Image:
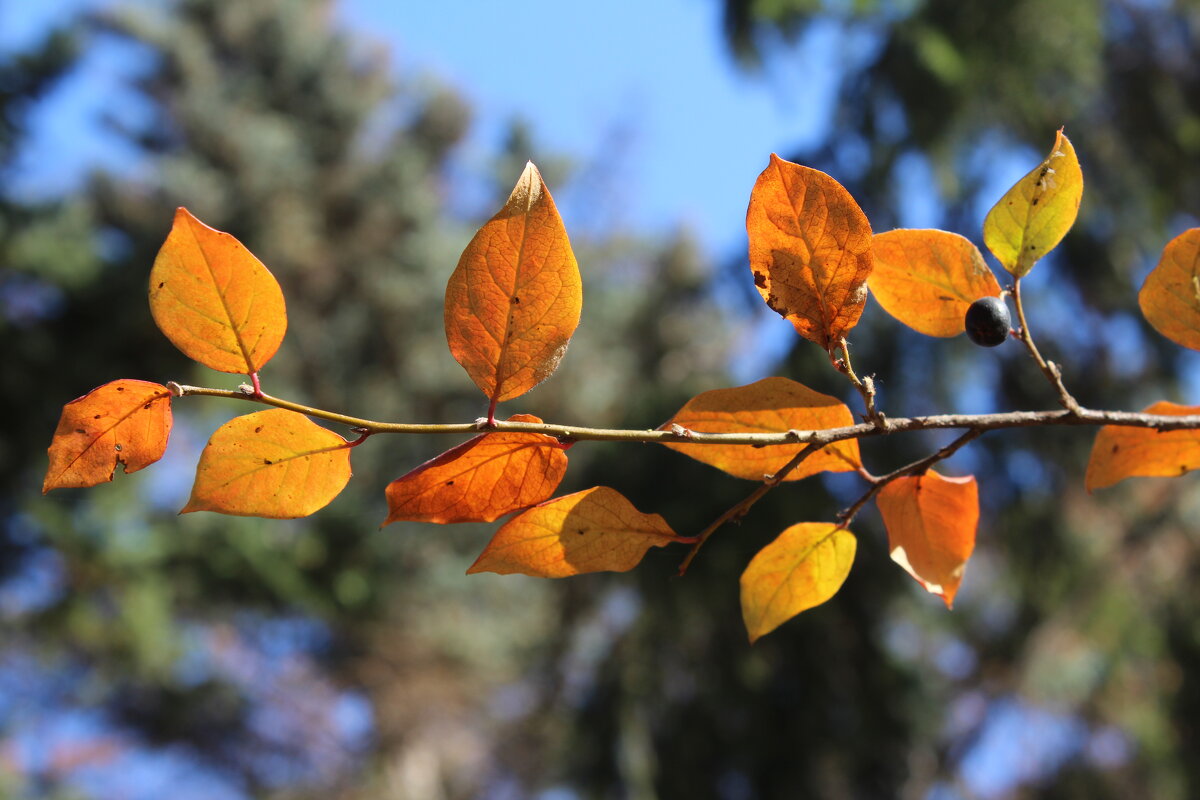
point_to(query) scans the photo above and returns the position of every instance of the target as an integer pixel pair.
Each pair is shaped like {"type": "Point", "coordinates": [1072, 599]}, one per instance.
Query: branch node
{"type": "Point", "coordinates": [680, 431]}
{"type": "Point", "coordinates": [175, 389]}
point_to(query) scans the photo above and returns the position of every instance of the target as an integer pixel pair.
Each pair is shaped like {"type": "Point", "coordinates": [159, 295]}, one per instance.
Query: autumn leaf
{"type": "Point", "coordinates": [1036, 213]}
{"type": "Point", "coordinates": [928, 278]}
{"type": "Point", "coordinates": [214, 300]}
{"type": "Point", "coordinates": [515, 298]}
{"type": "Point", "coordinates": [1170, 297]}
{"type": "Point", "coordinates": [594, 530]}
{"type": "Point", "coordinates": [480, 480]}
{"type": "Point", "coordinates": [1122, 452]}
{"type": "Point", "coordinates": [802, 568]}
{"type": "Point", "coordinates": [810, 250]}
{"type": "Point", "coordinates": [124, 422]}
{"type": "Point", "coordinates": [274, 463]}
{"type": "Point", "coordinates": [931, 522]}
{"type": "Point", "coordinates": [772, 405]}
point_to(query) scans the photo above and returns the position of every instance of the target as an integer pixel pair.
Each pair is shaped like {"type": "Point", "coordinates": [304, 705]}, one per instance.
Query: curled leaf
{"type": "Point", "coordinates": [810, 250]}
{"type": "Point", "coordinates": [590, 531]}
{"type": "Point", "coordinates": [931, 522]}
{"type": "Point", "coordinates": [928, 278]}
{"type": "Point", "coordinates": [772, 405]}
{"type": "Point", "coordinates": [274, 463]}
{"type": "Point", "coordinates": [1170, 297]}
{"type": "Point", "coordinates": [802, 568]}
{"type": "Point", "coordinates": [123, 422]}
{"type": "Point", "coordinates": [481, 479]}
{"type": "Point", "coordinates": [1122, 452]}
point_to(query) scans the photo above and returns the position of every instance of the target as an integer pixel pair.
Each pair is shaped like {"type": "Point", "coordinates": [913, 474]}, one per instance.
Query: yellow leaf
{"type": "Point", "coordinates": [1036, 213]}
{"type": "Point", "coordinates": [1170, 297]}
{"type": "Point", "coordinates": [214, 300]}
{"type": "Point", "coordinates": [274, 463]}
{"type": "Point", "coordinates": [802, 568]}
{"type": "Point", "coordinates": [1122, 452]}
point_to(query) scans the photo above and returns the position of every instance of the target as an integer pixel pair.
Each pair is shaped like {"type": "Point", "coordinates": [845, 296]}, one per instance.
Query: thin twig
{"type": "Point", "coordinates": [865, 386]}
{"type": "Point", "coordinates": [1048, 368]}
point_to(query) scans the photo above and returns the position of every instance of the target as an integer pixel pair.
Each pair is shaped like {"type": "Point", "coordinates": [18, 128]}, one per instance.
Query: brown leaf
{"type": "Point", "coordinates": [1170, 297]}
{"type": "Point", "coordinates": [1122, 452]}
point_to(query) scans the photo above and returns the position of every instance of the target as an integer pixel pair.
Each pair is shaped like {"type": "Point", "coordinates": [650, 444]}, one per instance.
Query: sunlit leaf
{"type": "Point", "coordinates": [214, 300]}
{"type": "Point", "coordinates": [931, 522]}
{"type": "Point", "coordinates": [1170, 297]}
{"type": "Point", "coordinates": [810, 250]}
{"type": "Point", "coordinates": [480, 480]}
{"type": "Point", "coordinates": [273, 463]}
{"type": "Point", "coordinates": [124, 422]}
{"type": "Point", "coordinates": [927, 278]}
{"type": "Point", "coordinates": [802, 568]}
{"type": "Point", "coordinates": [1124, 452]}
{"type": "Point", "coordinates": [772, 405]}
{"type": "Point", "coordinates": [515, 298]}
{"type": "Point", "coordinates": [1036, 213]}
{"type": "Point", "coordinates": [590, 531]}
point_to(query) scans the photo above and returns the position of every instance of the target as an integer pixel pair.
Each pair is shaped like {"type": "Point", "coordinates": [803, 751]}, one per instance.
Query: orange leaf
{"type": "Point", "coordinates": [1122, 452]}
{"type": "Point", "coordinates": [124, 421]}
{"type": "Point", "coordinates": [802, 568]}
{"type": "Point", "coordinates": [810, 250]}
{"type": "Point", "coordinates": [515, 298]}
{"type": "Point", "coordinates": [772, 405]}
{"type": "Point", "coordinates": [481, 479]}
{"type": "Point", "coordinates": [274, 463]}
{"type": "Point", "coordinates": [931, 521]}
{"type": "Point", "coordinates": [1170, 297]}
{"type": "Point", "coordinates": [927, 278]}
{"type": "Point", "coordinates": [214, 300]}
{"type": "Point", "coordinates": [590, 531]}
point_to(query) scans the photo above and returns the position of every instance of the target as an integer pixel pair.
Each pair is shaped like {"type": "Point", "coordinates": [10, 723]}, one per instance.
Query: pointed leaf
{"type": "Point", "coordinates": [810, 250]}
{"type": "Point", "coordinates": [1170, 297]}
{"type": "Point", "coordinates": [480, 480]}
{"type": "Point", "coordinates": [802, 568]}
{"type": "Point", "coordinates": [928, 278]}
{"type": "Point", "coordinates": [124, 422]}
{"type": "Point", "coordinates": [931, 522]}
{"type": "Point", "coordinates": [214, 300]}
{"type": "Point", "coordinates": [772, 405]}
{"type": "Point", "coordinates": [590, 531]}
{"type": "Point", "coordinates": [1122, 452]}
{"type": "Point", "coordinates": [515, 298]}
{"type": "Point", "coordinates": [275, 463]}
{"type": "Point", "coordinates": [1036, 213]}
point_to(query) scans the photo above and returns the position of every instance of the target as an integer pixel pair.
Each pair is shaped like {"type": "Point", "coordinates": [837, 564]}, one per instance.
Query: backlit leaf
{"type": "Point", "coordinates": [590, 531]}
{"type": "Point", "coordinates": [772, 405]}
{"type": "Point", "coordinates": [927, 278]}
{"type": "Point", "coordinates": [810, 250]}
{"type": "Point", "coordinates": [931, 522]}
{"type": "Point", "coordinates": [1036, 213]}
{"type": "Point", "coordinates": [1123, 452]}
{"type": "Point", "coordinates": [274, 463]}
{"type": "Point", "coordinates": [480, 480]}
{"type": "Point", "coordinates": [1170, 297]}
{"type": "Point", "coordinates": [124, 422]}
{"type": "Point", "coordinates": [802, 568]}
{"type": "Point", "coordinates": [214, 300]}
{"type": "Point", "coordinates": [515, 298]}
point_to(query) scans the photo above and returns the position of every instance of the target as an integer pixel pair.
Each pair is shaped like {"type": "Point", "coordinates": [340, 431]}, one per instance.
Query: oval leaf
{"type": "Point", "coordinates": [928, 278]}
{"type": "Point", "coordinates": [126, 422]}
{"type": "Point", "coordinates": [1036, 213]}
{"type": "Point", "coordinates": [1170, 297]}
{"type": "Point", "coordinates": [810, 250]}
{"type": "Point", "coordinates": [590, 531]}
{"type": "Point", "coordinates": [214, 300]}
{"type": "Point", "coordinates": [931, 522]}
{"type": "Point", "coordinates": [802, 568]}
{"type": "Point", "coordinates": [772, 405]}
{"type": "Point", "coordinates": [515, 298]}
{"type": "Point", "coordinates": [481, 479]}
{"type": "Point", "coordinates": [1122, 452]}
{"type": "Point", "coordinates": [275, 463]}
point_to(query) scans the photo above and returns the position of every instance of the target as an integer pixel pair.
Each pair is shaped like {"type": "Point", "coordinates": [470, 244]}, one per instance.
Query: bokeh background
{"type": "Point", "coordinates": [355, 146]}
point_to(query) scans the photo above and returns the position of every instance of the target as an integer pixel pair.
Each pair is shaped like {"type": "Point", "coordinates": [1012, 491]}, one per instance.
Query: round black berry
{"type": "Point", "coordinates": [987, 321]}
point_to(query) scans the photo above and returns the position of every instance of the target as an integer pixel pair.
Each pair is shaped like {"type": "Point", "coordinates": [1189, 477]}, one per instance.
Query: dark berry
{"type": "Point", "coordinates": [988, 322]}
